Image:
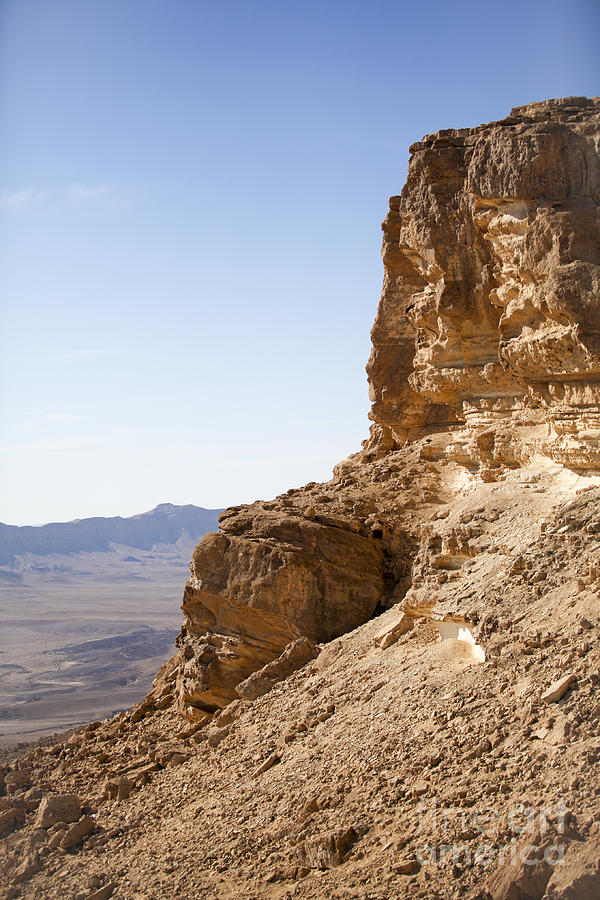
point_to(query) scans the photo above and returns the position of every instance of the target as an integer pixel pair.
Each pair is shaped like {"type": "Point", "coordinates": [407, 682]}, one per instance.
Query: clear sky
{"type": "Point", "coordinates": [190, 203]}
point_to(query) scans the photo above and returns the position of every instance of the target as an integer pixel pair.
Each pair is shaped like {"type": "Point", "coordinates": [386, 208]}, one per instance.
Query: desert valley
{"type": "Point", "coordinates": [88, 612]}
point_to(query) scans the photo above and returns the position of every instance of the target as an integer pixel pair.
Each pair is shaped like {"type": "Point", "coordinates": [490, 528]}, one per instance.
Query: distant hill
{"type": "Point", "coordinates": [165, 524]}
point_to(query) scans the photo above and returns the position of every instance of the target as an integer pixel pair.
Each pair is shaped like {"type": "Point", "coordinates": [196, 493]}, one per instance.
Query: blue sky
{"type": "Point", "coordinates": [190, 205]}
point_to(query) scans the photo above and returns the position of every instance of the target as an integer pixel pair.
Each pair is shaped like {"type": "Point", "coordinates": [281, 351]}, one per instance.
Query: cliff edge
{"type": "Point", "coordinates": [485, 360]}
{"type": "Point", "coordinates": [387, 685]}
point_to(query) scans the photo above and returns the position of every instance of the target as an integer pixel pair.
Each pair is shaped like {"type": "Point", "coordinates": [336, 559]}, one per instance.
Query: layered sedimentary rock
{"type": "Point", "coordinates": [489, 306]}
{"type": "Point", "coordinates": [486, 356]}
{"type": "Point", "coordinates": [267, 578]}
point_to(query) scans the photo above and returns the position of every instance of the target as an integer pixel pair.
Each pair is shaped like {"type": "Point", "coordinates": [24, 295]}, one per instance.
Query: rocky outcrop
{"type": "Point", "coordinates": [408, 766]}
{"type": "Point", "coordinates": [488, 315]}
{"type": "Point", "coordinates": [267, 578]}
{"type": "Point", "coordinates": [486, 356]}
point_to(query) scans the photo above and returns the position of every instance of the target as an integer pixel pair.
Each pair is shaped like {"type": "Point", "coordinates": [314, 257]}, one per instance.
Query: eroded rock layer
{"type": "Point", "coordinates": [486, 357]}
{"type": "Point", "coordinates": [268, 577]}
{"type": "Point", "coordinates": [489, 304]}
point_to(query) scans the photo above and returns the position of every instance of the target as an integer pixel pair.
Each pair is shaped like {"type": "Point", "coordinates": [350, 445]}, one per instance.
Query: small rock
{"type": "Point", "coordinates": [11, 819]}
{"type": "Point", "coordinates": [104, 892]}
{"type": "Point", "coordinates": [269, 762]}
{"type": "Point", "coordinates": [77, 832]}
{"type": "Point", "coordinates": [15, 782]}
{"type": "Point", "coordinates": [407, 866]}
{"type": "Point", "coordinates": [420, 788]}
{"type": "Point", "coordinates": [28, 868]}
{"type": "Point", "coordinates": [558, 688]}
{"type": "Point", "coordinates": [310, 807]}
{"type": "Point", "coordinates": [164, 702]}
{"type": "Point", "coordinates": [328, 850]}
{"type": "Point", "coordinates": [295, 656]}
{"type": "Point", "coordinates": [38, 836]}
{"type": "Point", "coordinates": [55, 840]}
{"type": "Point", "coordinates": [117, 788]}
{"type": "Point", "coordinates": [178, 758]}
{"type": "Point", "coordinates": [217, 735]}
{"type": "Point", "coordinates": [394, 629]}
{"type": "Point", "coordinates": [230, 713]}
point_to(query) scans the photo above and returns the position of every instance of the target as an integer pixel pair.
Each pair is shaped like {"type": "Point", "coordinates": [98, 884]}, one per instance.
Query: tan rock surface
{"type": "Point", "coordinates": [367, 742]}
{"type": "Point", "coordinates": [488, 312]}
{"type": "Point", "coordinates": [294, 657]}
{"type": "Point", "coordinates": [269, 577]}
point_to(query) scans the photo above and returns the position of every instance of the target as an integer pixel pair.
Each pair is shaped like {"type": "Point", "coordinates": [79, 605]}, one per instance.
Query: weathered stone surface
{"type": "Point", "coordinates": [230, 713]}
{"type": "Point", "coordinates": [327, 851]}
{"type": "Point", "coordinates": [488, 315]}
{"type": "Point", "coordinates": [558, 688]}
{"type": "Point", "coordinates": [295, 655]}
{"type": "Point", "coordinates": [523, 877]}
{"type": "Point", "coordinates": [76, 833]}
{"type": "Point", "coordinates": [28, 868]}
{"type": "Point", "coordinates": [15, 782]}
{"type": "Point", "coordinates": [268, 763]}
{"type": "Point", "coordinates": [10, 819]}
{"type": "Point", "coordinates": [397, 623]}
{"type": "Point", "coordinates": [579, 877]}
{"type": "Point", "coordinates": [267, 578]}
{"type": "Point", "coordinates": [117, 788]}
{"type": "Point", "coordinates": [104, 892]}
{"type": "Point", "coordinates": [58, 808]}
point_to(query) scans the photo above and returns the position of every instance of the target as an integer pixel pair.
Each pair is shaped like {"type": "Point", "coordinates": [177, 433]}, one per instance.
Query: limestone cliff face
{"type": "Point", "coordinates": [486, 356]}
{"type": "Point", "coordinates": [489, 309]}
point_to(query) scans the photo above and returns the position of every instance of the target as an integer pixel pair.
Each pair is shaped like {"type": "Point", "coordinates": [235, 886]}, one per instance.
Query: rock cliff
{"type": "Point", "coordinates": [486, 356]}
{"type": "Point", "coordinates": [489, 315]}
{"type": "Point", "coordinates": [446, 746]}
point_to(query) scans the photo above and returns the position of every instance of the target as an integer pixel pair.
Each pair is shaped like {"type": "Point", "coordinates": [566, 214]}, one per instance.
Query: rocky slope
{"type": "Point", "coordinates": [487, 335]}
{"type": "Point", "coordinates": [440, 595]}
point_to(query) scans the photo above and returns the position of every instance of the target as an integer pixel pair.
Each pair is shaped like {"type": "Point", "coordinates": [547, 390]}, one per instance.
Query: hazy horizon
{"type": "Point", "coordinates": [116, 516]}
{"type": "Point", "coordinates": [190, 208]}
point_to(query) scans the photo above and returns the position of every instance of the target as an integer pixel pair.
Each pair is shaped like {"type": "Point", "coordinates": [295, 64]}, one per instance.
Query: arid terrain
{"type": "Point", "coordinates": [387, 685]}
{"type": "Point", "coordinates": [83, 630]}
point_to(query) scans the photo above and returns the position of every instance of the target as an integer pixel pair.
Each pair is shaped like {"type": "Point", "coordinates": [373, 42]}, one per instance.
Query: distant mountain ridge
{"type": "Point", "coordinates": [164, 524]}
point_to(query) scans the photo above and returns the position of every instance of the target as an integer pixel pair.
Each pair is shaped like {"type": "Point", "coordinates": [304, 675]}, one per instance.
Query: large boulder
{"type": "Point", "coordinates": [266, 579]}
